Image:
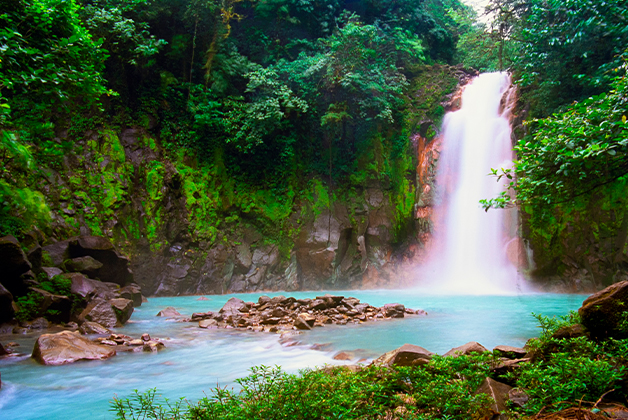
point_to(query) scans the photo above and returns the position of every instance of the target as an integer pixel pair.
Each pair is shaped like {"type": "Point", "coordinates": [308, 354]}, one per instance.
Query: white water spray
{"type": "Point", "coordinates": [469, 255]}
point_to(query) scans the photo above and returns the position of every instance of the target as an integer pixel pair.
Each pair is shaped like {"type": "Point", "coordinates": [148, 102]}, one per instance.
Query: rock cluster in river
{"type": "Point", "coordinates": [284, 313]}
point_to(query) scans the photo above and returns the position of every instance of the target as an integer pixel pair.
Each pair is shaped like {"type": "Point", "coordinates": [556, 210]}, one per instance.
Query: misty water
{"type": "Point", "coordinates": [196, 360]}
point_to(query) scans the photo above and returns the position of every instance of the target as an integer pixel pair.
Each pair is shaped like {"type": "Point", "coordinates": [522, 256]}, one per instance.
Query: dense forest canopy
{"type": "Point", "coordinates": [267, 93]}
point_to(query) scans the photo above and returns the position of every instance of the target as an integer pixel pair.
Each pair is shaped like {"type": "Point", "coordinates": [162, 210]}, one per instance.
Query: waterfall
{"type": "Point", "coordinates": [468, 254]}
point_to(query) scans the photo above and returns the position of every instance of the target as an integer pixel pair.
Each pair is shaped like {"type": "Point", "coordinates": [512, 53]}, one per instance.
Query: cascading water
{"type": "Point", "coordinates": [468, 253]}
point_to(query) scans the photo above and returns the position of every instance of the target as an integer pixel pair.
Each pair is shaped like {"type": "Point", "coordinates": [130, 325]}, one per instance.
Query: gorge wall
{"type": "Point", "coordinates": [189, 228]}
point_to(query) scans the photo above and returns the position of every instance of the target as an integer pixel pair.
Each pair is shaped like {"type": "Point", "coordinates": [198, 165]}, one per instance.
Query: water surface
{"type": "Point", "coordinates": [197, 360]}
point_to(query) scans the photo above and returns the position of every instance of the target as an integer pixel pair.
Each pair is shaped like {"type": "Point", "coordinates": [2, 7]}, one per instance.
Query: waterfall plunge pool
{"type": "Point", "coordinates": [196, 360]}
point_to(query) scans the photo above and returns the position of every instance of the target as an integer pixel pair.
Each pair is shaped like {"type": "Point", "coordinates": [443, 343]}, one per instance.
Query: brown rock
{"type": "Point", "coordinates": [61, 305]}
{"type": "Point", "coordinates": [233, 305]}
{"type": "Point", "coordinates": [123, 309]}
{"type": "Point", "coordinates": [153, 346]}
{"type": "Point", "coordinates": [86, 265]}
{"type": "Point", "coordinates": [394, 310]}
{"type": "Point", "coordinates": [89, 327]}
{"type": "Point", "coordinates": [202, 298]}
{"type": "Point", "coordinates": [602, 312]}
{"type": "Point", "coordinates": [208, 323]}
{"type": "Point", "coordinates": [302, 324]}
{"type": "Point", "coordinates": [318, 304]}
{"type": "Point", "coordinates": [466, 349]}
{"type": "Point", "coordinates": [510, 352]}
{"type": "Point", "coordinates": [508, 366]}
{"type": "Point", "coordinates": [406, 355]}
{"type": "Point", "coordinates": [169, 312]}
{"type": "Point", "coordinates": [517, 397]}
{"type": "Point", "coordinates": [572, 331]}
{"type": "Point", "coordinates": [342, 356]}
{"type": "Point", "coordinates": [132, 292]}
{"type": "Point", "coordinates": [145, 337]}
{"type": "Point", "coordinates": [99, 311]}
{"type": "Point", "coordinates": [89, 288]}
{"type": "Point", "coordinates": [3, 351]}
{"type": "Point", "coordinates": [497, 391]}
{"type": "Point", "coordinates": [58, 252]}
{"type": "Point", "coordinates": [68, 347]}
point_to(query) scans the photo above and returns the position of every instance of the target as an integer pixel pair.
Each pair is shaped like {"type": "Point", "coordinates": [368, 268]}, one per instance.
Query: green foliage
{"type": "Point", "coordinates": [57, 285]}
{"type": "Point", "coordinates": [441, 391]}
{"type": "Point", "coordinates": [571, 155]}
{"type": "Point", "coordinates": [47, 53]}
{"type": "Point", "coordinates": [29, 307]}
{"type": "Point", "coordinates": [563, 50]}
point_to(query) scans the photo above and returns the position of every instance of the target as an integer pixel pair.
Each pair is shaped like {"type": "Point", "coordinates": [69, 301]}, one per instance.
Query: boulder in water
{"type": "Point", "coordinates": [100, 311]}
{"type": "Point", "coordinates": [208, 323]}
{"type": "Point", "coordinates": [169, 312]}
{"type": "Point", "coordinates": [123, 309]}
{"type": "Point", "coordinates": [603, 312]}
{"type": "Point", "coordinates": [394, 310]}
{"type": "Point", "coordinates": [68, 347]}
{"type": "Point", "coordinates": [233, 305]}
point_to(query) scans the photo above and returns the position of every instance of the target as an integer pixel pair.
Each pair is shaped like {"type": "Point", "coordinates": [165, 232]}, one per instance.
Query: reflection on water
{"type": "Point", "coordinates": [197, 360]}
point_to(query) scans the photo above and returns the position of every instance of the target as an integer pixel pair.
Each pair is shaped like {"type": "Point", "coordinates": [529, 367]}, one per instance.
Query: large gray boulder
{"type": "Point", "coordinates": [68, 347]}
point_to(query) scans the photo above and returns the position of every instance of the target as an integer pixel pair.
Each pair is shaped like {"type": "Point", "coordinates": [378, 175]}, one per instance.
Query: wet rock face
{"type": "Point", "coordinates": [605, 313]}
{"type": "Point", "coordinates": [68, 347]}
{"type": "Point", "coordinates": [332, 250]}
